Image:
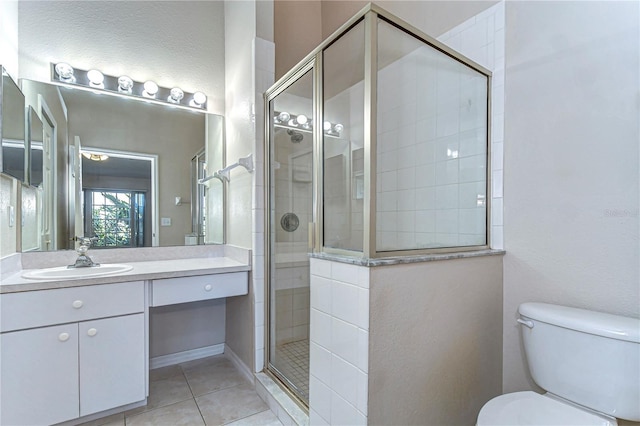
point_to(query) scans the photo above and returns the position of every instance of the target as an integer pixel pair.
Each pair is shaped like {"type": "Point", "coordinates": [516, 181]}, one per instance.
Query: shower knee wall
{"type": "Point", "coordinates": [417, 343]}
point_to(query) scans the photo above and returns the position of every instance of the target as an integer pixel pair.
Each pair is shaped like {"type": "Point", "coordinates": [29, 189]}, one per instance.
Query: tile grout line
{"type": "Point", "coordinates": [186, 379]}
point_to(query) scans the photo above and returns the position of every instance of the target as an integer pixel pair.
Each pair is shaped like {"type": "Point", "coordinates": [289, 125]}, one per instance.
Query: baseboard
{"type": "Point", "coordinates": [240, 365]}
{"type": "Point", "coordinates": [190, 355]}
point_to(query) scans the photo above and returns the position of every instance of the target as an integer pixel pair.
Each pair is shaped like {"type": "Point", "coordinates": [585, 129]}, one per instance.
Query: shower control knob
{"type": "Point", "coordinates": [208, 287]}
{"type": "Point", "coordinates": [77, 304]}
{"type": "Point", "coordinates": [63, 337]}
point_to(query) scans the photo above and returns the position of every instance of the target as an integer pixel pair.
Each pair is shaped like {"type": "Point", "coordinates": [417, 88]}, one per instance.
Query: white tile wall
{"type": "Point", "coordinates": [339, 340]}
{"type": "Point", "coordinates": [469, 39]}
{"type": "Point", "coordinates": [264, 63]}
{"type": "Point", "coordinates": [431, 141]}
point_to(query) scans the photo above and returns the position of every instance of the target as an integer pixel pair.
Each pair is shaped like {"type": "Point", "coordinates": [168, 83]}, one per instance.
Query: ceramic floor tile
{"type": "Point", "coordinates": [165, 391]}
{"type": "Point", "coordinates": [184, 413]}
{"type": "Point", "coordinates": [112, 420]}
{"type": "Point", "coordinates": [165, 372]}
{"type": "Point", "coordinates": [264, 418]}
{"type": "Point", "coordinates": [212, 375]}
{"type": "Point", "coordinates": [231, 404]}
{"type": "Point", "coordinates": [211, 361]}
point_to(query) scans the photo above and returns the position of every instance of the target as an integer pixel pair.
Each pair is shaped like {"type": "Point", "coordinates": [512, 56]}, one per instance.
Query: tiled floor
{"type": "Point", "coordinates": [293, 363]}
{"type": "Point", "coordinates": [208, 391]}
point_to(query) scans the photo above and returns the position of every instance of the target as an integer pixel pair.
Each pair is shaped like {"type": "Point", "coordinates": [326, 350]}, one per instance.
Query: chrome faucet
{"type": "Point", "coordinates": [83, 261]}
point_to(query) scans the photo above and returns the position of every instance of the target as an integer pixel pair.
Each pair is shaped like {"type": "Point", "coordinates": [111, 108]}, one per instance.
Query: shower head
{"type": "Point", "coordinates": [296, 137]}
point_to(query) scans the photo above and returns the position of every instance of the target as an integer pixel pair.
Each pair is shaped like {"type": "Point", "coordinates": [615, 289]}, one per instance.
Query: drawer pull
{"type": "Point", "coordinates": [92, 332]}
{"type": "Point", "coordinates": [77, 304]}
{"type": "Point", "coordinates": [63, 337]}
{"type": "Point", "coordinates": [208, 287]}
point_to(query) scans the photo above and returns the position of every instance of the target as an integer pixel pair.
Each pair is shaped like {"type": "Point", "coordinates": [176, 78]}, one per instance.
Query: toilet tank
{"type": "Point", "coordinates": [590, 358]}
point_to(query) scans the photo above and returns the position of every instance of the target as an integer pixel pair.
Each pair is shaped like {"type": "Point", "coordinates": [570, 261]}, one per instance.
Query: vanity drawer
{"type": "Point", "coordinates": [170, 291]}
{"type": "Point", "coordinates": [46, 307]}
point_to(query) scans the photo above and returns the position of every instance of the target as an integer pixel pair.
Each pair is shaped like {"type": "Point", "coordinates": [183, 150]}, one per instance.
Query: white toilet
{"type": "Point", "coordinates": [588, 362]}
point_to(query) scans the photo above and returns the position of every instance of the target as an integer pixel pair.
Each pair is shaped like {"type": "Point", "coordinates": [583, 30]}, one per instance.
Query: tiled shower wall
{"type": "Point", "coordinates": [431, 172]}
{"type": "Point", "coordinates": [264, 74]}
{"type": "Point", "coordinates": [482, 39]}
{"type": "Point", "coordinates": [339, 340]}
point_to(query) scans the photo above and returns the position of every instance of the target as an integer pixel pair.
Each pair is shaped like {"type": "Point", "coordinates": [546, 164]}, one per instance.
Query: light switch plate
{"type": "Point", "coordinates": [165, 221]}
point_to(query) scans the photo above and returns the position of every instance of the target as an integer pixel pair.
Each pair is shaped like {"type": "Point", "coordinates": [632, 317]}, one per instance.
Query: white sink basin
{"type": "Point", "coordinates": [62, 272]}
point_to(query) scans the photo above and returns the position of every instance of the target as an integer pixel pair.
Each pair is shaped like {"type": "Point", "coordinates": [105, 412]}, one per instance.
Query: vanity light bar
{"type": "Point", "coordinates": [124, 85]}
{"type": "Point", "coordinates": [301, 121]}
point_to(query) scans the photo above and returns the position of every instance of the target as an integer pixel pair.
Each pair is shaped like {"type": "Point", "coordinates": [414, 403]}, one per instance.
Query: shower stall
{"type": "Point", "coordinates": [376, 147]}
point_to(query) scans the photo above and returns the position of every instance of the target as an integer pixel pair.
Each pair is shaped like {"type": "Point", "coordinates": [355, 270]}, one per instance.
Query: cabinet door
{"type": "Point", "coordinates": [111, 363]}
{"type": "Point", "coordinates": [39, 370]}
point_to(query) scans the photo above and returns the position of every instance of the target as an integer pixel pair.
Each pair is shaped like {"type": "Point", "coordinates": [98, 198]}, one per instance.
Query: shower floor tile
{"type": "Point", "coordinates": [293, 363]}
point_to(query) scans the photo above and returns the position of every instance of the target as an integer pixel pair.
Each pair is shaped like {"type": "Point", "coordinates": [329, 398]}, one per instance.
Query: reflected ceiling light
{"type": "Point", "coordinates": [150, 89]}
{"type": "Point", "coordinates": [301, 119]}
{"type": "Point", "coordinates": [284, 117]}
{"type": "Point", "coordinates": [199, 99]}
{"type": "Point", "coordinates": [95, 157]}
{"type": "Point", "coordinates": [65, 72]}
{"type": "Point", "coordinates": [175, 95]}
{"type": "Point", "coordinates": [125, 84]}
{"type": "Point", "coordinates": [96, 78]}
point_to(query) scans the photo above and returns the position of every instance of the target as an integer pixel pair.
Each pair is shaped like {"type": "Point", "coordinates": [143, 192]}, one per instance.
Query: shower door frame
{"type": "Point", "coordinates": [309, 65]}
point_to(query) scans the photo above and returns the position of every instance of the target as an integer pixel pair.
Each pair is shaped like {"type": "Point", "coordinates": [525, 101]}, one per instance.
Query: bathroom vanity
{"type": "Point", "coordinates": [76, 347]}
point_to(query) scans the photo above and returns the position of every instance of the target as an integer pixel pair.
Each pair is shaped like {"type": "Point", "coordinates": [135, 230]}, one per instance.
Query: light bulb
{"type": "Point", "coordinates": [176, 95]}
{"type": "Point", "coordinates": [65, 72]}
{"type": "Point", "coordinates": [125, 84]}
{"type": "Point", "coordinates": [327, 126]}
{"type": "Point", "coordinates": [284, 117]}
{"type": "Point", "coordinates": [199, 98]}
{"type": "Point", "coordinates": [96, 78]}
{"type": "Point", "coordinates": [338, 128]}
{"type": "Point", "coordinates": [301, 119]}
{"type": "Point", "coordinates": [150, 89]}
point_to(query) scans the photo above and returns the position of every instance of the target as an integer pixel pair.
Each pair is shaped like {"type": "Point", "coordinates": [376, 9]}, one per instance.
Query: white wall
{"type": "Point", "coordinates": [249, 70]}
{"type": "Point", "coordinates": [571, 162]}
{"type": "Point", "coordinates": [9, 37]}
{"type": "Point", "coordinates": [174, 43]}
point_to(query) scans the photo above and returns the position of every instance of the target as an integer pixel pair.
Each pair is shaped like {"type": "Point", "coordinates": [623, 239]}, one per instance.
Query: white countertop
{"type": "Point", "coordinates": [147, 270]}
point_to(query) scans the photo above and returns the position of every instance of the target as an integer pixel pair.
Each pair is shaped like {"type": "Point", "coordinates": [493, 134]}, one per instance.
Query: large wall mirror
{"type": "Point", "coordinates": [12, 128]}
{"type": "Point", "coordinates": [121, 170]}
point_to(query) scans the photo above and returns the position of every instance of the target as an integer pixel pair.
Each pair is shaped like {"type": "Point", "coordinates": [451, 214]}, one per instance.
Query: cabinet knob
{"type": "Point", "coordinates": [77, 304]}
{"type": "Point", "coordinates": [92, 332]}
{"type": "Point", "coordinates": [208, 287]}
{"type": "Point", "coordinates": [63, 337]}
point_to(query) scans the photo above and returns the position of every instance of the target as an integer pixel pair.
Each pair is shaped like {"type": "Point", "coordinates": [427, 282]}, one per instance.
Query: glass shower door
{"type": "Point", "coordinates": [290, 213]}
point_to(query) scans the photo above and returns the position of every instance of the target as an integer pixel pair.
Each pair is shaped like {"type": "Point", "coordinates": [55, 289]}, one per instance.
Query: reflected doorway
{"type": "Point", "coordinates": [119, 198]}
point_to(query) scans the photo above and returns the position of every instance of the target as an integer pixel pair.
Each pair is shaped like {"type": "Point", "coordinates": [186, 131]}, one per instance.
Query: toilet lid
{"type": "Point", "coordinates": [530, 408]}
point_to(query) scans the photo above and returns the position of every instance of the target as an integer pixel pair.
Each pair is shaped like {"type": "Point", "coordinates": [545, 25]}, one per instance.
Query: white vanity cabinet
{"type": "Point", "coordinates": [71, 352]}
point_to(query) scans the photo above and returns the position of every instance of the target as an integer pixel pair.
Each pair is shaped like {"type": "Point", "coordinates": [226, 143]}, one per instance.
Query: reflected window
{"type": "Point", "coordinates": [115, 219]}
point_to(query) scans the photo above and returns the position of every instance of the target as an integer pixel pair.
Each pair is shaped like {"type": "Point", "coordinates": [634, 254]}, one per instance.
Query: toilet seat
{"type": "Point", "coordinates": [530, 408]}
